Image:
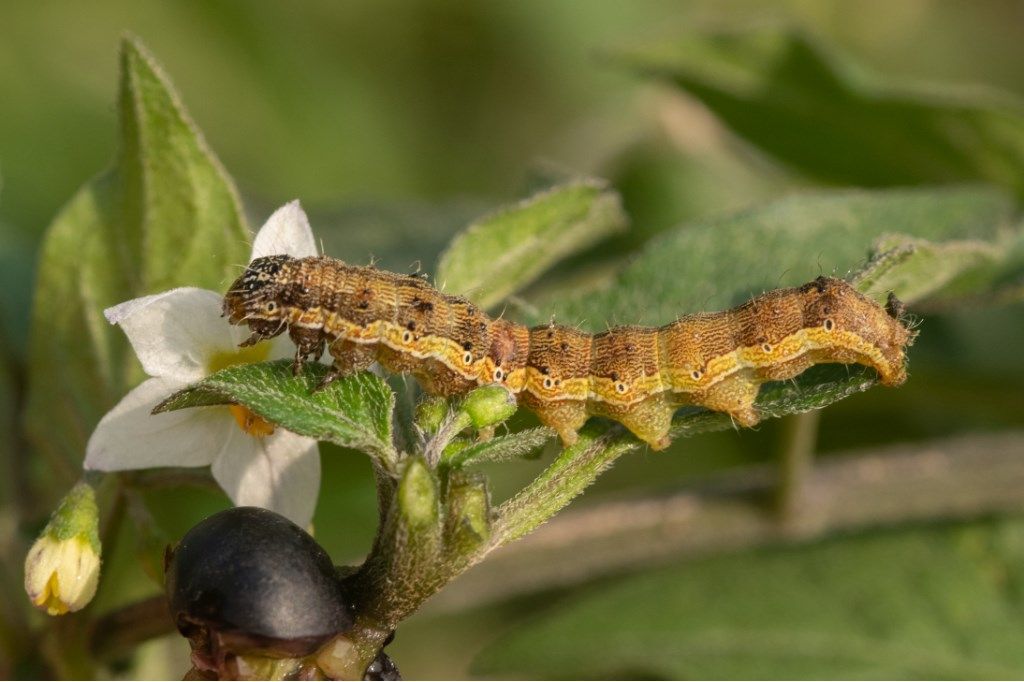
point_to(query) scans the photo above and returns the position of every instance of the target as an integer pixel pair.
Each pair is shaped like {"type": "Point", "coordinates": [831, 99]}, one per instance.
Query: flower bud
{"type": "Point", "coordinates": [430, 413]}
{"type": "Point", "coordinates": [63, 566]}
{"type": "Point", "coordinates": [489, 406]}
{"type": "Point", "coordinates": [417, 495]}
{"type": "Point", "coordinates": [467, 513]}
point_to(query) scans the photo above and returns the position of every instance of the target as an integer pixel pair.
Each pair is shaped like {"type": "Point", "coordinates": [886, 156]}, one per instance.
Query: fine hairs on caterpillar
{"type": "Point", "coordinates": [635, 375]}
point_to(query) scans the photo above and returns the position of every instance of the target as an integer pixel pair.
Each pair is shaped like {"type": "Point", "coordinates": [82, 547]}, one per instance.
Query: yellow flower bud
{"type": "Point", "coordinates": [63, 566]}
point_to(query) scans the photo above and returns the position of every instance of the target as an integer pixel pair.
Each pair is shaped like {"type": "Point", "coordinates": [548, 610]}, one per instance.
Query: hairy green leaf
{"type": "Point", "coordinates": [829, 118]}
{"type": "Point", "coordinates": [353, 412]}
{"type": "Point", "coordinates": [719, 263]}
{"type": "Point", "coordinates": [940, 272]}
{"type": "Point", "coordinates": [503, 252]}
{"type": "Point", "coordinates": [500, 448]}
{"type": "Point", "coordinates": [164, 215]}
{"type": "Point", "coordinates": [926, 603]}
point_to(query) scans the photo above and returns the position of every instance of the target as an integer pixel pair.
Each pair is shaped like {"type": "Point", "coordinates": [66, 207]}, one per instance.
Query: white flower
{"type": "Point", "coordinates": [180, 337]}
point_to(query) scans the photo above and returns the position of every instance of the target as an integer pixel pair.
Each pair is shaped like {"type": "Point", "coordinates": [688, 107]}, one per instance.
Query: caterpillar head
{"type": "Point", "coordinates": [838, 309]}
{"type": "Point", "coordinates": [254, 297]}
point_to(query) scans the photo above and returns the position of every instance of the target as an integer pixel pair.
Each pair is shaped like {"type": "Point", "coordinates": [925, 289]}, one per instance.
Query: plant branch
{"type": "Point", "coordinates": [118, 632]}
{"type": "Point", "coordinates": [955, 478]}
{"type": "Point", "coordinates": [573, 470]}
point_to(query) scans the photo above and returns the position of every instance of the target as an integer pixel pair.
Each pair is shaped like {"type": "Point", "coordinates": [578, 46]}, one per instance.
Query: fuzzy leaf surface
{"type": "Point", "coordinates": [353, 412]}
{"type": "Point", "coordinates": [503, 252]}
{"type": "Point", "coordinates": [165, 215]}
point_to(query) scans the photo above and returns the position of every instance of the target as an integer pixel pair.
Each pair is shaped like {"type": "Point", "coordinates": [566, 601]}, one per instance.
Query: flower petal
{"type": "Point", "coordinates": [286, 232]}
{"type": "Point", "coordinates": [130, 437]}
{"type": "Point", "coordinates": [174, 334]}
{"type": "Point", "coordinates": [279, 472]}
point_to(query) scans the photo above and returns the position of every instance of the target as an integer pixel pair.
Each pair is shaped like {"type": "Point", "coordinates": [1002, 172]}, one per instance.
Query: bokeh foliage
{"type": "Point", "coordinates": [399, 124]}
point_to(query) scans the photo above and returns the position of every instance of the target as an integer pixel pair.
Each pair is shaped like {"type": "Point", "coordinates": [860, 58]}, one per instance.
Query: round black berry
{"type": "Point", "coordinates": [247, 580]}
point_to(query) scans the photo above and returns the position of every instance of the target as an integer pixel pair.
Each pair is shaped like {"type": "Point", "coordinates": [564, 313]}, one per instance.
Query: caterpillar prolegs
{"type": "Point", "coordinates": [637, 376]}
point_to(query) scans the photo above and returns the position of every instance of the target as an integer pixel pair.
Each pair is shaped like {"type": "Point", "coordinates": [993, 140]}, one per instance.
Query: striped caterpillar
{"type": "Point", "coordinates": [637, 376]}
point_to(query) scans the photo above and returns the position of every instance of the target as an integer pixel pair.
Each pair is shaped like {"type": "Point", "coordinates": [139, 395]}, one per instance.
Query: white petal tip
{"type": "Point", "coordinates": [286, 232]}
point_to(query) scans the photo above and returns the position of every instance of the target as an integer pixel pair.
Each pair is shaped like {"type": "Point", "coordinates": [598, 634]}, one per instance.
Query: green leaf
{"type": "Point", "coordinates": [718, 263]}
{"type": "Point", "coordinates": [500, 448]}
{"type": "Point", "coordinates": [353, 412]}
{"type": "Point", "coordinates": [503, 252]}
{"type": "Point", "coordinates": [925, 603]}
{"type": "Point", "coordinates": [829, 118]}
{"type": "Point", "coordinates": [939, 272]}
{"type": "Point", "coordinates": [164, 215]}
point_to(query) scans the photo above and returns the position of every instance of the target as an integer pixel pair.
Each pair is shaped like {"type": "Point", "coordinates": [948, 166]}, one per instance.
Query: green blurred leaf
{"type": "Point", "coordinates": [353, 412]}
{"type": "Point", "coordinates": [664, 184]}
{"type": "Point", "coordinates": [16, 256]}
{"type": "Point", "coordinates": [927, 603]}
{"type": "Point", "coordinates": [398, 235]}
{"type": "Point", "coordinates": [718, 263]}
{"type": "Point", "coordinates": [501, 253]}
{"type": "Point", "coordinates": [814, 110]}
{"type": "Point", "coordinates": [165, 215]}
{"type": "Point", "coordinates": [14, 627]}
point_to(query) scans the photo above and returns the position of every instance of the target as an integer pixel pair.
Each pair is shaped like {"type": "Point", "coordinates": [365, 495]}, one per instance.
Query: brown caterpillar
{"type": "Point", "coordinates": [635, 375]}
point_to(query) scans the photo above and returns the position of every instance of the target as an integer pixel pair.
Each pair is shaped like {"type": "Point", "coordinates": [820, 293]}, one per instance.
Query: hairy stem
{"type": "Point", "coordinates": [573, 470]}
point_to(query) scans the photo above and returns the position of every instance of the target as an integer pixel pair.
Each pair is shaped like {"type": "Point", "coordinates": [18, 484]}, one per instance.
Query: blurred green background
{"type": "Point", "coordinates": [397, 123]}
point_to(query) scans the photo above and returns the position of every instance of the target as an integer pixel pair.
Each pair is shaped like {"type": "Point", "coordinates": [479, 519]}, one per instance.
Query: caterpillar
{"type": "Point", "coordinates": [637, 376]}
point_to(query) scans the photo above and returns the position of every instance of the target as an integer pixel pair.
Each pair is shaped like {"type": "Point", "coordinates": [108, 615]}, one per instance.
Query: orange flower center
{"type": "Point", "coordinates": [249, 422]}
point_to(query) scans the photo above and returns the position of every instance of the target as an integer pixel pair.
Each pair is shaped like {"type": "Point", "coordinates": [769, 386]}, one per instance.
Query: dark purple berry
{"type": "Point", "coordinates": [247, 580]}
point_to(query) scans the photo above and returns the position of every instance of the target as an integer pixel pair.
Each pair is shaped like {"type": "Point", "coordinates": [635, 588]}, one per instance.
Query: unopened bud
{"type": "Point", "coordinates": [430, 413]}
{"type": "Point", "coordinates": [417, 495]}
{"type": "Point", "coordinates": [63, 566]}
{"type": "Point", "coordinates": [467, 514]}
{"type": "Point", "coordinates": [489, 406]}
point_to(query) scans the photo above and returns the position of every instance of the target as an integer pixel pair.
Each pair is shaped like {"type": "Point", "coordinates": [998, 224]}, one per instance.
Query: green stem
{"type": "Point", "coordinates": [574, 469]}
{"type": "Point", "coordinates": [796, 460]}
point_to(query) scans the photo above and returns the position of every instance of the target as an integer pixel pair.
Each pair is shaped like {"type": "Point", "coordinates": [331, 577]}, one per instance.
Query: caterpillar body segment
{"type": "Point", "coordinates": [637, 376]}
